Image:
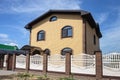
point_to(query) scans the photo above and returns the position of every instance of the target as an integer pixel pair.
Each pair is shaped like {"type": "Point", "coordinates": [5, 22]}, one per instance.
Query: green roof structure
{"type": "Point", "coordinates": [8, 47]}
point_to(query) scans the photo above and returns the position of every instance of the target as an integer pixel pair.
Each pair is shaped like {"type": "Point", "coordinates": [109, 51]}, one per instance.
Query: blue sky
{"type": "Point", "coordinates": [15, 14]}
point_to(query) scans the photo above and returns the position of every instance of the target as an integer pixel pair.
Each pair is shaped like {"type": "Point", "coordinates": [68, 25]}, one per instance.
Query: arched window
{"type": "Point", "coordinates": [41, 35]}
{"type": "Point", "coordinates": [67, 31]}
{"type": "Point", "coordinates": [66, 50]}
{"type": "Point", "coordinates": [53, 18]}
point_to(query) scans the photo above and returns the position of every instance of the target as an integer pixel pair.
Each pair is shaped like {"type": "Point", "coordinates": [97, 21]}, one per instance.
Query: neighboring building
{"type": "Point", "coordinates": [4, 50]}
{"type": "Point", "coordinates": [59, 31]}
{"type": "Point", "coordinates": [8, 47]}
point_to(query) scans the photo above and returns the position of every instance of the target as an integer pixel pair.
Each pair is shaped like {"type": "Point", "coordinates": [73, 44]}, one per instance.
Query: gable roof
{"type": "Point", "coordinates": [84, 14]}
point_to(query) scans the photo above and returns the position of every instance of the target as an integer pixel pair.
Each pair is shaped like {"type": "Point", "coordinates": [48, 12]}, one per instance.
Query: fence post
{"type": "Point", "coordinates": [27, 62]}
{"type": "Point", "coordinates": [14, 62]}
{"type": "Point", "coordinates": [45, 62]}
{"type": "Point", "coordinates": [99, 69]}
{"type": "Point", "coordinates": [1, 61]}
{"type": "Point", "coordinates": [68, 64]}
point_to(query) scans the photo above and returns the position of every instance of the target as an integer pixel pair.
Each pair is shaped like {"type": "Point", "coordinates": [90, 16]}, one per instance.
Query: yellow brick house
{"type": "Point", "coordinates": [59, 31]}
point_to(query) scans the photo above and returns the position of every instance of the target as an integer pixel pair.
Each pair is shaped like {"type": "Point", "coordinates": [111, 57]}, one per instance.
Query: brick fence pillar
{"type": "Point", "coordinates": [45, 62]}
{"type": "Point", "coordinates": [99, 69]}
{"type": "Point", "coordinates": [1, 60]}
{"type": "Point", "coordinates": [27, 62]}
{"type": "Point", "coordinates": [14, 62]}
{"type": "Point", "coordinates": [68, 64]}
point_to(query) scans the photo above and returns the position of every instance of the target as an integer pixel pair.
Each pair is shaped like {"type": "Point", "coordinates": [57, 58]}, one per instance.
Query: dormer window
{"type": "Point", "coordinates": [41, 35]}
{"type": "Point", "coordinates": [53, 18]}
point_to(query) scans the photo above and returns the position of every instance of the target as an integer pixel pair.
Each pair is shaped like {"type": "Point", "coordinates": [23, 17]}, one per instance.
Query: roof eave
{"type": "Point", "coordinates": [29, 25]}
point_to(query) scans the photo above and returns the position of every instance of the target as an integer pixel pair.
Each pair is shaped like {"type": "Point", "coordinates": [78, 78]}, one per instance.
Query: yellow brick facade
{"type": "Point", "coordinates": [53, 40]}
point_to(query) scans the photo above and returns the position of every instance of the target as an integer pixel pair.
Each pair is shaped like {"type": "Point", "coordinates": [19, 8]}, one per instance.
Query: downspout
{"type": "Point", "coordinates": [84, 37]}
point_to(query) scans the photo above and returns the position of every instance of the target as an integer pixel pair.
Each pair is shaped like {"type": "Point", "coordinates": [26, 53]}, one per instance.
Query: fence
{"type": "Point", "coordinates": [36, 62]}
{"type": "Point", "coordinates": [56, 63]}
{"type": "Point", "coordinates": [75, 64]}
{"type": "Point", "coordinates": [68, 64]}
{"type": "Point", "coordinates": [21, 61]}
{"type": "Point", "coordinates": [83, 63]}
{"type": "Point", "coordinates": [111, 64]}
{"type": "Point", "coordinates": [4, 63]}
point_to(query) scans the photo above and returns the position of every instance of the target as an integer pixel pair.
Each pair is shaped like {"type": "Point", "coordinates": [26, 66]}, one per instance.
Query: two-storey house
{"type": "Point", "coordinates": [58, 31]}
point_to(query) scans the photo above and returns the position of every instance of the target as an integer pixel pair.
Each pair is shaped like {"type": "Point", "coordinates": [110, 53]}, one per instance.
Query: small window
{"type": "Point", "coordinates": [67, 31]}
{"type": "Point", "coordinates": [66, 50]}
{"type": "Point", "coordinates": [41, 35]}
{"type": "Point", "coordinates": [53, 18]}
{"type": "Point", "coordinates": [94, 40]}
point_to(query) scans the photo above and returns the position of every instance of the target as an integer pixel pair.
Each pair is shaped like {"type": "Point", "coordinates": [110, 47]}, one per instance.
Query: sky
{"type": "Point", "coordinates": [15, 14]}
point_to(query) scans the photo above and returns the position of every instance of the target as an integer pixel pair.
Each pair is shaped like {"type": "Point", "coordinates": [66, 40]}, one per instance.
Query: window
{"type": "Point", "coordinates": [94, 39]}
{"type": "Point", "coordinates": [67, 31]}
{"type": "Point", "coordinates": [53, 18]}
{"type": "Point", "coordinates": [66, 50]}
{"type": "Point", "coordinates": [41, 35]}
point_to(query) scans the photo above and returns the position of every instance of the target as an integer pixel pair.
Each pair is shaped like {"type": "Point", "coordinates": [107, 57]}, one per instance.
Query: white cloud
{"type": "Point", "coordinates": [3, 35]}
{"type": "Point", "coordinates": [102, 17]}
{"type": "Point", "coordinates": [4, 39]}
{"type": "Point", "coordinates": [12, 44]}
{"type": "Point", "coordinates": [28, 6]}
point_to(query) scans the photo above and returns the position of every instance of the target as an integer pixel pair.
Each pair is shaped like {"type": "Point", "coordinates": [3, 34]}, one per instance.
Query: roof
{"type": "Point", "coordinates": [8, 47]}
{"type": "Point", "coordinates": [13, 52]}
{"type": "Point", "coordinates": [84, 14]}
